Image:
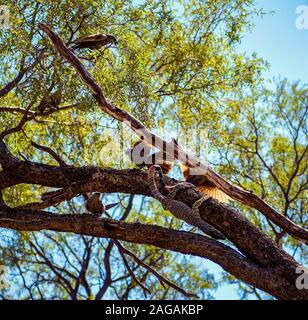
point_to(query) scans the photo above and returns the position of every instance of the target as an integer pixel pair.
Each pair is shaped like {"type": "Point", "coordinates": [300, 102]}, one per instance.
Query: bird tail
{"type": "Point", "coordinates": [111, 205]}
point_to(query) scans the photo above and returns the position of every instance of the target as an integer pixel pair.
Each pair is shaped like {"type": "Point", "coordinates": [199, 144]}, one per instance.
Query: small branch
{"type": "Point", "coordinates": [161, 279]}
{"type": "Point", "coordinates": [131, 272]}
{"type": "Point", "coordinates": [23, 70]}
{"type": "Point", "coordinates": [43, 114]}
{"type": "Point", "coordinates": [14, 109]}
{"type": "Point", "coordinates": [49, 151]}
{"type": "Point", "coordinates": [53, 198]}
{"type": "Point", "coordinates": [2, 203]}
{"type": "Point", "coordinates": [108, 278]}
{"type": "Point", "coordinates": [12, 84]}
{"type": "Point", "coordinates": [20, 125]}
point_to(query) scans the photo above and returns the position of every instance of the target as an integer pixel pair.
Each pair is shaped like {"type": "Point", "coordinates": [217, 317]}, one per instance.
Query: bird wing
{"type": "Point", "coordinates": [205, 185]}
{"type": "Point", "coordinates": [90, 38]}
{"type": "Point", "coordinates": [215, 193]}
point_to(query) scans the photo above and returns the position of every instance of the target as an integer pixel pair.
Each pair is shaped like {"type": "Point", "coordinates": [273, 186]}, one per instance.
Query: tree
{"type": "Point", "coordinates": [165, 69]}
{"type": "Point", "coordinates": [267, 153]}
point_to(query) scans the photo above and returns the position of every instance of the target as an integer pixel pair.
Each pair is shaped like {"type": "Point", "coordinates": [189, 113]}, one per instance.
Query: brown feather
{"type": "Point", "coordinates": [141, 155]}
{"type": "Point", "coordinates": [94, 204]}
{"type": "Point", "coordinates": [204, 185]}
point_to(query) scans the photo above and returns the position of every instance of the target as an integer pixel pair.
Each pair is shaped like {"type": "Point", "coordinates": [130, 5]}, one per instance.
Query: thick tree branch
{"type": "Point", "coordinates": [266, 279]}
{"type": "Point", "coordinates": [249, 239]}
{"type": "Point", "coordinates": [261, 262]}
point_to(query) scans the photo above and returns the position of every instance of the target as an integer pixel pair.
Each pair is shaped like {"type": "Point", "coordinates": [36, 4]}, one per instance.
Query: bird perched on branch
{"type": "Point", "coordinates": [95, 205]}
{"type": "Point", "coordinates": [94, 41]}
{"type": "Point", "coordinates": [50, 101]}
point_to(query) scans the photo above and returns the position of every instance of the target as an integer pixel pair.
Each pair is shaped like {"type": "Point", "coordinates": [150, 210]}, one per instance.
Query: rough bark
{"type": "Point", "coordinates": [264, 278]}
{"type": "Point", "coordinates": [260, 261]}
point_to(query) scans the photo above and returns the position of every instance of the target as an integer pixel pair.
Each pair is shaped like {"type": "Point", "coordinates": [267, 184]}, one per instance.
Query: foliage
{"type": "Point", "coordinates": [175, 63]}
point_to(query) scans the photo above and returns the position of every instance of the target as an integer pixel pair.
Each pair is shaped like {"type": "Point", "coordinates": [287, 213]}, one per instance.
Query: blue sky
{"type": "Point", "coordinates": [276, 39]}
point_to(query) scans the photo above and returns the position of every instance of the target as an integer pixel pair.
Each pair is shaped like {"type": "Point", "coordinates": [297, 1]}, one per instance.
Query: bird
{"type": "Point", "coordinates": [95, 205]}
{"type": "Point", "coordinates": [50, 101]}
{"type": "Point", "coordinates": [179, 209]}
{"type": "Point", "coordinates": [94, 41]}
{"type": "Point", "coordinates": [141, 155]}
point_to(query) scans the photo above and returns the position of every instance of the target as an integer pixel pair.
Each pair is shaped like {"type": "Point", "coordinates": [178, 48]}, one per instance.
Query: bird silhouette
{"type": "Point", "coordinates": [94, 41]}
{"type": "Point", "coordinates": [50, 101]}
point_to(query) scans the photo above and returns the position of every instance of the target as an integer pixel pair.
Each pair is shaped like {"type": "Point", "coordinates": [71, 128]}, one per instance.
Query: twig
{"type": "Point", "coordinates": [2, 203]}
{"type": "Point", "coordinates": [49, 151]}
{"type": "Point", "coordinates": [122, 253]}
{"type": "Point", "coordinates": [19, 127]}
{"type": "Point", "coordinates": [52, 198]}
{"type": "Point", "coordinates": [14, 109]}
{"type": "Point", "coordinates": [160, 278]}
{"type": "Point", "coordinates": [22, 156]}
{"type": "Point", "coordinates": [43, 114]}
{"type": "Point", "coordinates": [12, 84]}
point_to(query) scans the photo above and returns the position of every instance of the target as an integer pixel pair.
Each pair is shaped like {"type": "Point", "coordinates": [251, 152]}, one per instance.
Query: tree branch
{"type": "Point", "coordinates": [261, 277]}
{"type": "Point", "coordinates": [49, 151]}
{"type": "Point", "coordinates": [249, 239]}
{"type": "Point", "coordinates": [160, 278]}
